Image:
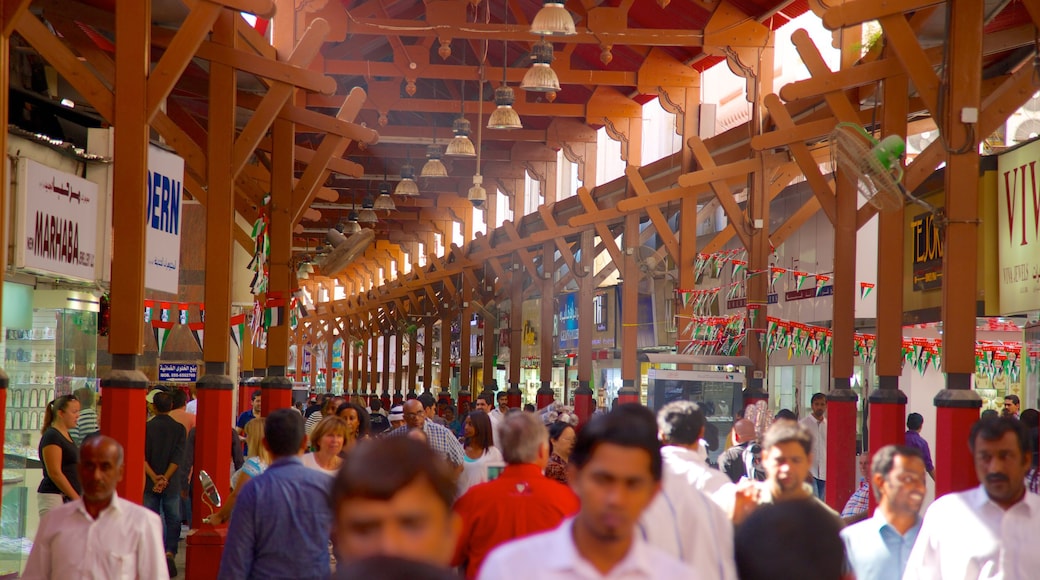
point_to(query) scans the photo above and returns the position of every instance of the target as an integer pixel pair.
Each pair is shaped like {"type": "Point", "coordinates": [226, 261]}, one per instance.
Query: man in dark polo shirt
{"type": "Point", "coordinates": [163, 454]}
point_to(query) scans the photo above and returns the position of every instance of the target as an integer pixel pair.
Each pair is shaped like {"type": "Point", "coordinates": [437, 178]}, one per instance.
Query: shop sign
{"type": "Point", "coordinates": [568, 321]}
{"type": "Point", "coordinates": [807, 293]}
{"type": "Point", "coordinates": [163, 195]}
{"type": "Point", "coordinates": [178, 373]}
{"type": "Point", "coordinates": [771, 298]}
{"type": "Point", "coordinates": [56, 227]}
{"type": "Point", "coordinates": [927, 252]}
{"type": "Point", "coordinates": [1018, 229]}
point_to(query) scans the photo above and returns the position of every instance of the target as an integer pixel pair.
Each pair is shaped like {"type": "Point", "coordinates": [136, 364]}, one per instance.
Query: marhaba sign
{"type": "Point", "coordinates": [1018, 235]}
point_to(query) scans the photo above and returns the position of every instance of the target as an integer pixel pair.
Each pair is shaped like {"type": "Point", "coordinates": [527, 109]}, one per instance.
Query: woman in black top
{"type": "Point", "coordinates": [59, 455]}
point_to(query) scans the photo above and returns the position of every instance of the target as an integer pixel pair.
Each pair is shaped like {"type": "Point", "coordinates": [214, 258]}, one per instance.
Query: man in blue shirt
{"type": "Point", "coordinates": [281, 522]}
{"type": "Point", "coordinates": [878, 548]}
{"type": "Point", "coordinates": [249, 414]}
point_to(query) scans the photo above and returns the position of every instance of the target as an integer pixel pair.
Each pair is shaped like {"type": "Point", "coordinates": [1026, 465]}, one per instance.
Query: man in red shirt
{"type": "Point", "coordinates": [520, 502]}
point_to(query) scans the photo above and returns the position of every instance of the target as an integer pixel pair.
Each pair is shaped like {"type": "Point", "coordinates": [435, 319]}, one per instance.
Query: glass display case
{"type": "Point", "coordinates": [719, 395]}
{"type": "Point", "coordinates": [56, 355]}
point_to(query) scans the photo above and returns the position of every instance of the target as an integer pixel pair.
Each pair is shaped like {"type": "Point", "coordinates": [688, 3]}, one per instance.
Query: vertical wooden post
{"type": "Point", "coordinates": [385, 371]}
{"type": "Point", "coordinates": [215, 389]}
{"type": "Point", "coordinates": [465, 334]}
{"type": "Point", "coordinates": [516, 330]}
{"type": "Point", "coordinates": [584, 393]}
{"type": "Point", "coordinates": [957, 406]}
{"type": "Point", "coordinates": [428, 353]}
{"type": "Point", "coordinates": [399, 372]}
{"type": "Point", "coordinates": [413, 363]}
{"type": "Point", "coordinates": [887, 402]}
{"type": "Point", "coordinates": [630, 387]}
{"type": "Point", "coordinates": [125, 386]}
{"type": "Point", "coordinates": [688, 225]}
{"type": "Point", "coordinates": [548, 306]}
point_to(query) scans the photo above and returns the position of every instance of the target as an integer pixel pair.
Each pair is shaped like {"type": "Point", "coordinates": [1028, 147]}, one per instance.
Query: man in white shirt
{"type": "Point", "coordinates": [817, 425]}
{"type": "Point", "coordinates": [485, 402]}
{"type": "Point", "coordinates": [99, 535]}
{"type": "Point", "coordinates": [989, 531]}
{"type": "Point", "coordinates": [615, 469]}
{"type": "Point", "coordinates": [683, 520]}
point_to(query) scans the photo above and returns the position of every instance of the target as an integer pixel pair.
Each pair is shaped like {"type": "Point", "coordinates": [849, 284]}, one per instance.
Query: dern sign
{"type": "Point", "coordinates": [1018, 233]}
{"type": "Point", "coordinates": [56, 228]}
{"type": "Point", "coordinates": [163, 194]}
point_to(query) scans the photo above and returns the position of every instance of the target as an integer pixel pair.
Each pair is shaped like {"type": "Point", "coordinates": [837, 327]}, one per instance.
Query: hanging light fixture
{"type": "Point", "coordinates": [434, 167]}
{"type": "Point", "coordinates": [504, 117]}
{"type": "Point", "coordinates": [541, 77]}
{"type": "Point", "coordinates": [384, 202]}
{"type": "Point", "coordinates": [352, 226]}
{"type": "Point", "coordinates": [407, 185]}
{"type": "Point", "coordinates": [367, 215]}
{"type": "Point", "coordinates": [553, 20]}
{"type": "Point", "coordinates": [477, 194]}
{"type": "Point", "coordinates": [461, 146]}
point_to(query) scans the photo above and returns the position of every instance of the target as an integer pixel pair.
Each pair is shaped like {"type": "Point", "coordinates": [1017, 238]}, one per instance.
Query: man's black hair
{"type": "Point", "coordinates": [255, 394]}
{"type": "Point", "coordinates": [914, 421]}
{"type": "Point", "coordinates": [375, 404]}
{"type": "Point", "coordinates": [885, 459]}
{"type": "Point", "coordinates": [817, 396]}
{"type": "Point", "coordinates": [681, 422]}
{"type": "Point", "coordinates": [529, 408]}
{"type": "Point", "coordinates": [1013, 398]}
{"type": "Point", "coordinates": [499, 394]}
{"type": "Point", "coordinates": [427, 400]}
{"type": "Point", "coordinates": [630, 425]}
{"type": "Point", "coordinates": [284, 433]}
{"type": "Point", "coordinates": [785, 415]}
{"type": "Point", "coordinates": [1030, 418]}
{"type": "Point", "coordinates": [379, 468]}
{"type": "Point", "coordinates": [788, 432]}
{"type": "Point", "coordinates": [790, 540]}
{"type": "Point", "coordinates": [994, 428]}
{"type": "Point", "coordinates": [180, 398]}
{"type": "Point", "coordinates": [163, 402]}
{"type": "Point", "coordinates": [488, 397]}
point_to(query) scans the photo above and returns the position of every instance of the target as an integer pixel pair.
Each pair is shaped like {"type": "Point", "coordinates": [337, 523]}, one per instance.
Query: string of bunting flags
{"type": "Point", "coordinates": [726, 335]}
{"type": "Point", "coordinates": [159, 316]}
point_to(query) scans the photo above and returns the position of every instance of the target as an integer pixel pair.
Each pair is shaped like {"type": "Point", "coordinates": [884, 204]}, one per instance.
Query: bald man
{"type": "Point", "coordinates": [441, 439]}
{"type": "Point", "coordinates": [113, 538]}
{"type": "Point", "coordinates": [732, 462]}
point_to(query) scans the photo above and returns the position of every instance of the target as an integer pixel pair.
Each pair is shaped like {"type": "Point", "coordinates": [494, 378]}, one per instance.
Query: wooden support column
{"type": "Point", "coordinates": [330, 346]}
{"type": "Point", "coordinates": [215, 389]}
{"type": "Point", "coordinates": [125, 386]}
{"type": "Point", "coordinates": [387, 339]}
{"type": "Point", "coordinates": [516, 331]}
{"type": "Point", "coordinates": [399, 372]}
{"type": "Point", "coordinates": [428, 354]}
{"type": "Point", "coordinates": [465, 332]}
{"type": "Point", "coordinates": [630, 388]}
{"type": "Point", "coordinates": [276, 386]}
{"type": "Point", "coordinates": [490, 346]}
{"type": "Point", "coordinates": [364, 360]}
{"type": "Point", "coordinates": [584, 394]}
{"type": "Point", "coordinates": [413, 364]}
{"type": "Point", "coordinates": [688, 228]}
{"type": "Point", "coordinates": [840, 474]}
{"type": "Point", "coordinates": [446, 370]}
{"type": "Point", "coordinates": [490, 289]}
{"type": "Point", "coordinates": [548, 303]}
{"type": "Point", "coordinates": [957, 406]}
{"type": "Point", "coordinates": [887, 402]}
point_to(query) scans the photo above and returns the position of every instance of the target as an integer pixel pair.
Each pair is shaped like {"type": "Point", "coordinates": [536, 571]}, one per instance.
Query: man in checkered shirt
{"type": "Point", "coordinates": [856, 508]}
{"type": "Point", "coordinates": [441, 439]}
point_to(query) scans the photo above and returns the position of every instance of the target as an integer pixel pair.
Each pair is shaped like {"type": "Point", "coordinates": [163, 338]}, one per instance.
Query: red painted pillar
{"type": "Point", "coordinates": [841, 445]}
{"type": "Point", "coordinates": [887, 419]}
{"type": "Point", "coordinates": [205, 543]}
{"type": "Point", "coordinates": [629, 392]}
{"type": "Point", "coordinates": [398, 398]}
{"type": "Point", "coordinates": [275, 393]}
{"type": "Point", "coordinates": [544, 397]}
{"type": "Point", "coordinates": [956, 411]}
{"type": "Point", "coordinates": [123, 419]}
{"type": "Point", "coordinates": [385, 400]}
{"type": "Point", "coordinates": [755, 393]}
{"type": "Point", "coordinates": [515, 397]}
{"type": "Point", "coordinates": [583, 402]}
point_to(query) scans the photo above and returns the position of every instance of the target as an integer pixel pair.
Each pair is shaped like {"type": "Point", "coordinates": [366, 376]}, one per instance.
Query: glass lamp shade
{"type": "Point", "coordinates": [477, 194]}
{"type": "Point", "coordinates": [384, 203]}
{"type": "Point", "coordinates": [504, 117]}
{"type": "Point", "coordinates": [553, 20]}
{"type": "Point", "coordinates": [352, 226]}
{"type": "Point", "coordinates": [407, 187]}
{"type": "Point", "coordinates": [434, 166]}
{"type": "Point", "coordinates": [541, 78]}
{"type": "Point", "coordinates": [461, 146]}
{"type": "Point", "coordinates": [367, 216]}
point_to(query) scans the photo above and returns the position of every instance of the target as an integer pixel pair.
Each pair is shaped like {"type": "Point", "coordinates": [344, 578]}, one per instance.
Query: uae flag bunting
{"type": "Point", "coordinates": [821, 281]}
{"type": "Point", "coordinates": [162, 326]}
{"type": "Point", "coordinates": [274, 313]}
{"type": "Point", "coordinates": [148, 305]}
{"type": "Point", "coordinates": [238, 328]}
{"type": "Point", "coordinates": [738, 267]}
{"type": "Point", "coordinates": [182, 309]}
{"type": "Point", "coordinates": [865, 288]}
{"type": "Point", "coordinates": [774, 276]}
{"type": "Point", "coordinates": [198, 328]}
{"type": "Point", "coordinates": [799, 279]}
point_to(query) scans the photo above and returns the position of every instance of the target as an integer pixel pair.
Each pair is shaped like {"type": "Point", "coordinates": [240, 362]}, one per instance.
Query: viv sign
{"type": "Point", "coordinates": [56, 227]}
{"type": "Point", "coordinates": [163, 195]}
{"type": "Point", "coordinates": [1018, 234]}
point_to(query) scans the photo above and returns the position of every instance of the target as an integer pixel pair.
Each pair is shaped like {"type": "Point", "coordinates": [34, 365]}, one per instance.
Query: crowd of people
{"type": "Point", "coordinates": [346, 488]}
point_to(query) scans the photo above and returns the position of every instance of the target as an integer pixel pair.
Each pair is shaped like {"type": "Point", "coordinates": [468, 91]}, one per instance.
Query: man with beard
{"type": "Point", "coordinates": [615, 469]}
{"type": "Point", "coordinates": [988, 531]}
{"type": "Point", "coordinates": [878, 548]}
{"type": "Point", "coordinates": [816, 423]}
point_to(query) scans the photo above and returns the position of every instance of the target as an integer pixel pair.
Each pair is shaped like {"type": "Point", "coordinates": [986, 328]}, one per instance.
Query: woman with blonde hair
{"type": "Point", "coordinates": [327, 439]}
{"type": "Point", "coordinates": [255, 464]}
{"type": "Point", "coordinates": [59, 455]}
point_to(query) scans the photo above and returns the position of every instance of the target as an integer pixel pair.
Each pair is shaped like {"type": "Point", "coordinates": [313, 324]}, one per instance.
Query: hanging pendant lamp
{"type": "Point", "coordinates": [541, 77]}
{"type": "Point", "coordinates": [553, 20]}
{"type": "Point", "coordinates": [407, 186]}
